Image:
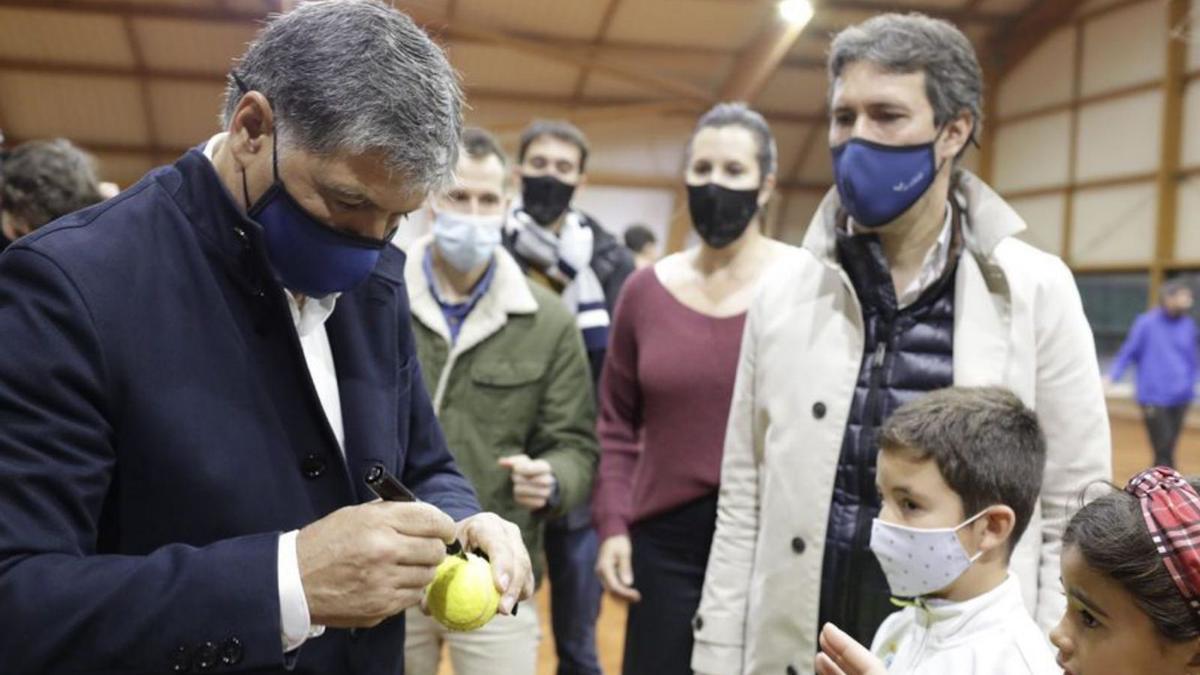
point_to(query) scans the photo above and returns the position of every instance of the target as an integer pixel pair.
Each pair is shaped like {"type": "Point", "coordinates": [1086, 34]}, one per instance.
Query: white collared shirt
{"type": "Point", "coordinates": [932, 268]}
{"type": "Point", "coordinates": [308, 317]}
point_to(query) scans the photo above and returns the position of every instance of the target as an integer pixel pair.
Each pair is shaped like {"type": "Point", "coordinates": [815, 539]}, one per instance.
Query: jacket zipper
{"type": "Point", "coordinates": [920, 655]}
{"type": "Point", "coordinates": [870, 409]}
{"type": "Point", "coordinates": [444, 379]}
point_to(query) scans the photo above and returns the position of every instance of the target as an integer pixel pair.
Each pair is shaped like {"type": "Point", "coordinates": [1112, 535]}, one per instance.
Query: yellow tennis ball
{"type": "Point", "coordinates": [462, 595]}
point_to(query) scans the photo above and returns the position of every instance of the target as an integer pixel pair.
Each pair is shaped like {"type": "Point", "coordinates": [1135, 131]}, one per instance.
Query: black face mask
{"type": "Point", "coordinates": [545, 198]}
{"type": "Point", "coordinates": [721, 215]}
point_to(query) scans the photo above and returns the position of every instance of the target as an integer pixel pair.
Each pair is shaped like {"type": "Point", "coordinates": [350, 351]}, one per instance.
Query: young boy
{"type": "Point", "coordinates": [959, 472]}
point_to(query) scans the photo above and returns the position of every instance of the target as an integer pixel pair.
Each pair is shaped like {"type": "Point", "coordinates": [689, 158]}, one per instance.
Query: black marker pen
{"type": "Point", "coordinates": [389, 488]}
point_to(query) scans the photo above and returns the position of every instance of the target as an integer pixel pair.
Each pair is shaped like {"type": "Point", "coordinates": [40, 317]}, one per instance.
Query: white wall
{"type": "Point", "coordinates": [1114, 225]}
{"type": "Point", "coordinates": [1032, 153]}
{"type": "Point", "coordinates": [1118, 136]}
{"type": "Point", "coordinates": [618, 207]}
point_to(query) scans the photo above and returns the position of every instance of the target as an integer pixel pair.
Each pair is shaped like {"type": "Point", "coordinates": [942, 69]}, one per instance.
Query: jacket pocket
{"type": "Point", "coordinates": [508, 392]}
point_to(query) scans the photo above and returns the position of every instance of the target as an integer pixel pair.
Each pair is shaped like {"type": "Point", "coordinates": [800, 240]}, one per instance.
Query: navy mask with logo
{"type": "Point", "coordinates": [877, 183]}
{"type": "Point", "coordinates": [307, 255]}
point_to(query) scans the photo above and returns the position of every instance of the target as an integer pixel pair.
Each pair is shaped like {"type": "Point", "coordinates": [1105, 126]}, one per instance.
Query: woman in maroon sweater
{"type": "Point", "coordinates": [666, 388]}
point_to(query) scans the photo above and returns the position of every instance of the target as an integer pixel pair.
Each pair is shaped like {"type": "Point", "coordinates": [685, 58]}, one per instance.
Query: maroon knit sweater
{"type": "Point", "coordinates": [664, 402]}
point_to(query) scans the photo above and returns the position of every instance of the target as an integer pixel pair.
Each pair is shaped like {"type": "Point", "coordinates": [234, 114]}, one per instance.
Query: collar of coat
{"type": "Point", "coordinates": [508, 294]}
{"type": "Point", "coordinates": [989, 219]}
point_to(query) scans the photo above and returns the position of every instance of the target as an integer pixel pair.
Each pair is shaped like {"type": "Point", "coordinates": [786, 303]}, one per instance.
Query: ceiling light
{"type": "Point", "coordinates": [796, 12]}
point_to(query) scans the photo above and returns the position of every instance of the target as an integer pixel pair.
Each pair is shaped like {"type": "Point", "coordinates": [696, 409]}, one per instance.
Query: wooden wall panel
{"type": "Point", "coordinates": [1125, 47]}
{"type": "Point", "coordinates": [1032, 153]}
{"type": "Point", "coordinates": [1044, 216]}
{"type": "Point", "coordinates": [1187, 232]}
{"type": "Point", "coordinates": [1120, 137]}
{"type": "Point", "coordinates": [1114, 225]}
{"type": "Point", "coordinates": [1042, 78]}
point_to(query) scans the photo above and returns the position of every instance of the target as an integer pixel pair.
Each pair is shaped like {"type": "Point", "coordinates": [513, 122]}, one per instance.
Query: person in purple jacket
{"type": "Point", "coordinates": [1162, 343]}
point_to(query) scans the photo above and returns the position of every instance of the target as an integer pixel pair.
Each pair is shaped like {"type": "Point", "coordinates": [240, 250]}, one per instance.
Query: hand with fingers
{"type": "Point", "coordinates": [614, 566]}
{"type": "Point", "coordinates": [843, 655]}
{"type": "Point", "coordinates": [533, 480]}
{"type": "Point", "coordinates": [363, 564]}
{"type": "Point", "coordinates": [501, 542]}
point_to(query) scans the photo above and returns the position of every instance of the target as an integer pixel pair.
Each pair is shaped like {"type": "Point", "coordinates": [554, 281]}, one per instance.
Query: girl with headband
{"type": "Point", "coordinates": [1131, 571]}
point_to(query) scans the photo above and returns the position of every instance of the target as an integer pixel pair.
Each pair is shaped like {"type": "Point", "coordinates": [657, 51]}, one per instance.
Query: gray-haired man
{"type": "Point", "coordinates": [910, 279]}
{"type": "Point", "coordinates": [213, 363]}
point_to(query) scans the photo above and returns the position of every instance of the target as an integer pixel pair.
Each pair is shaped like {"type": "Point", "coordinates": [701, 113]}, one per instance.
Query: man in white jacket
{"type": "Point", "coordinates": [909, 280]}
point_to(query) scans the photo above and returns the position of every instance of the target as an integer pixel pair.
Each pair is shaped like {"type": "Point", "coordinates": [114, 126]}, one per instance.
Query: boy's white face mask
{"type": "Point", "coordinates": [918, 562]}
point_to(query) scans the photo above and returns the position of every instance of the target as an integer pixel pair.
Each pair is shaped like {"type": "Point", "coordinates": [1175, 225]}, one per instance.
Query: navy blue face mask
{"type": "Point", "coordinates": [877, 183]}
{"type": "Point", "coordinates": [307, 255]}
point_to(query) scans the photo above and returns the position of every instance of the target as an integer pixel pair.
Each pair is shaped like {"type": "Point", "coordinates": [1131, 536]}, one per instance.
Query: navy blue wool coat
{"type": "Point", "coordinates": [159, 429]}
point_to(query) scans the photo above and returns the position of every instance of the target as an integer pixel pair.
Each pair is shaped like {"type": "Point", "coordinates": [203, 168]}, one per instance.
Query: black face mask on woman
{"type": "Point", "coordinates": [719, 214]}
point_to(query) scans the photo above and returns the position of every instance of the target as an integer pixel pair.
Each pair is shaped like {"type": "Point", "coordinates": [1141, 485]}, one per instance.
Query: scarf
{"type": "Point", "coordinates": [566, 259]}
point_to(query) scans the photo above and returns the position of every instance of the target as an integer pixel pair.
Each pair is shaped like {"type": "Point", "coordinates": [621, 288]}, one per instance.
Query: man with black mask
{"type": "Point", "coordinates": [564, 248]}
{"type": "Point", "coordinates": [567, 251]}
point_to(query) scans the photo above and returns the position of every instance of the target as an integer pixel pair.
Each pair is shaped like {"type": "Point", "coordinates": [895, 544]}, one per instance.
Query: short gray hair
{"type": "Point", "coordinates": [738, 114]}
{"type": "Point", "coordinates": [357, 76]}
{"type": "Point", "coordinates": [909, 43]}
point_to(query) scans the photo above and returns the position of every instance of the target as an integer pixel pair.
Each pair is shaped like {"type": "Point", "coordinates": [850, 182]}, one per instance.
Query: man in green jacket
{"type": "Point", "coordinates": [506, 368]}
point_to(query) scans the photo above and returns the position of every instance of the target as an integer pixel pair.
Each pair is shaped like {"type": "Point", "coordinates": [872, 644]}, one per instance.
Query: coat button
{"type": "Point", "coordinates": [697, 622]}
{"type": "Point", "coordinates": [798, 545]}
{"type": "Point", "coordinates": [232, 652]}
{"type": "Point", "coordinates": [206, 656]}
{"type": "Point", "coordinates": [180, 659]}
{"type": "Point", "coordinates": [791, 670]}
{"type": "Point", "coordinates": [313, 466]}
{"type": "Point", "coordinates": [374, 473]}
{"type": "Point", "coordinates": [819, 410]}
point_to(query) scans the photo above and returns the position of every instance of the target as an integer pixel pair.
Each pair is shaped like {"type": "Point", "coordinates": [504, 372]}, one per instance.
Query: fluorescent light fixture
{"type": "Point", "coordinates": [796, 12]}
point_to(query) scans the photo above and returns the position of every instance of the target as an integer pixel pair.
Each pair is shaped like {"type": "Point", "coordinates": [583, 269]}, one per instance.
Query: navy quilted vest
{"type": "Point", "coordinates": [907, 352]}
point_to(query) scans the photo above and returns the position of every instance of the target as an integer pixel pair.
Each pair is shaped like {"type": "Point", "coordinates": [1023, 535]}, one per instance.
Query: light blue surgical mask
{"type": "Point", "coordinates": [466, 242]}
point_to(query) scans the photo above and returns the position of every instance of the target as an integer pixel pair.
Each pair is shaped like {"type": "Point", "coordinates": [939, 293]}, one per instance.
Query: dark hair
{"type": "Point", "coordinates": [637, 237]}
{"type": "Point", "coordinates": [479, 144]}
{"type": "Point", "coordinates": [738, 114]}
{"type": "Point", "coordinates": [1110, 533]}
{"type": "Point", "coordinates": [560, 129]}
{"type": "Point", "coordinates": [44, 180]}
{"type": "Point", "coordinates": [1171, 287]}
{"type": "Point", "coordinates": [987, 445]}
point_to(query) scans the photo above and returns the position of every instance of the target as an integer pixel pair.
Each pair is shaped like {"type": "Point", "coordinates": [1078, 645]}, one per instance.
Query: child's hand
{"type": "Point", "coordinates": [841, 655]}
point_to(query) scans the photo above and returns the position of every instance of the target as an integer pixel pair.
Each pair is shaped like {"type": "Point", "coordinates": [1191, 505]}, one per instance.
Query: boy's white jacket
{"type": "Point", "coordinates": [988, 635]}
{"type": "Point", "coordinates": [1018, 323]}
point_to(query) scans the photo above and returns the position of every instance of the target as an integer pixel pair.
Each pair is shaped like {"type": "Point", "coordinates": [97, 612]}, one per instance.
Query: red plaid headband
{"type": "Point", "coordinates": [1171, 508]}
